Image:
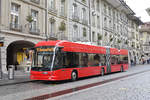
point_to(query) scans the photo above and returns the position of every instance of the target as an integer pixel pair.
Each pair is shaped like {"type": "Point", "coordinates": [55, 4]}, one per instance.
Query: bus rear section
{"type": "Point", "coordinates": [123, 60]}
{"type": "Point", "coordinates": [116, 60]}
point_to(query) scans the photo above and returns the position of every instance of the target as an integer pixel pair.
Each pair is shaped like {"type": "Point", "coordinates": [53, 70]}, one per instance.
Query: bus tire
{"type": "Point", "coordinates": [74, 76]}
{"type": "Point", "coordinates": [102, 72]}
{"type": "Point", "coordinates": [122, 70]}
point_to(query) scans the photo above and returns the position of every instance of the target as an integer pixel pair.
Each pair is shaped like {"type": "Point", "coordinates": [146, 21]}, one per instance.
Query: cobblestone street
{"type": "Point", "coordinates": [131, 88]}
{"type": "Point", "coordinates": [134, 87]}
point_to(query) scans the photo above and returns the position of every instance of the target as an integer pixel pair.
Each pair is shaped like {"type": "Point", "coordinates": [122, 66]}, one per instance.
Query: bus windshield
{"type": "Point", "coordinates": [42, 60]}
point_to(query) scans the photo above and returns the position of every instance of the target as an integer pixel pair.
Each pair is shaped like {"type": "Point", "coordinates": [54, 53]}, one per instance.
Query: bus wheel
{"type": "Point", "coordinates": [102, 72]}
{"type": "Point", "coordinates": [122, 70]}
{"type": "Point", "coordinates": [74, 76]}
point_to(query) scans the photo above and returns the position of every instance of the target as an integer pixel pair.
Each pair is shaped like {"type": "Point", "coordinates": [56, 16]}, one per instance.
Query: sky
{"type": "Point", "coordinates": [139, 7]}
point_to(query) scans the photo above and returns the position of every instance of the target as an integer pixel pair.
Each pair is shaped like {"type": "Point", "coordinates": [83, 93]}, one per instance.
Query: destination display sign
{"type": "Point", "coordinates": [45, 49]}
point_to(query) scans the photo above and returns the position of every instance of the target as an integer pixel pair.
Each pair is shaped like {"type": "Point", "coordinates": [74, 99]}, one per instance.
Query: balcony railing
{"type": "Point", "coordinates": [75, 17]}
{"type": "Point", "coordinates": [34, 31]}
{"type": "Point", "coordinates": [35, 1]}
{"type": "Point", "coordinates": [16, 27]}
{"type": "Point", "coordinates": [52, 9]}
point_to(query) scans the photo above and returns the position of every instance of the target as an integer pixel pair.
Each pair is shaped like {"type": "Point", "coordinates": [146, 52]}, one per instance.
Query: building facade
{"type": "Point", "coordinates": [18, 29]}
{"type": "Point", "coordinates": [145, 39]}
{"type": "Point", "coordinates": [78, 26]}
{"type": "Point", "coordinates": [23, 23]}
{"type": "Point", "coordinates": [113, 24]}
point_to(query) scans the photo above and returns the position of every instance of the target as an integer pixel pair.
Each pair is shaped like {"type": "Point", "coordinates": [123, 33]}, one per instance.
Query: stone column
{"type": "Point", "coordinates": [3, 58]}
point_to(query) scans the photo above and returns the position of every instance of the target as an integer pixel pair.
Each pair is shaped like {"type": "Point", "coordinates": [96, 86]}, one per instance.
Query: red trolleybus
{"type": "Point", "coordinates": [63, 60]}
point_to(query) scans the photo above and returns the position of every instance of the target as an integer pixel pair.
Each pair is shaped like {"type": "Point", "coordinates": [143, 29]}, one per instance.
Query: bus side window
{"type": "Point", "coordinates": [83, 60]}
{"type": "Point", "coordinates": [71, 59]}
{"type": "Point", "coordinates": [67, 58]}
{"type": "Point", "coordinates": [112, 59]}
{"type": "Point", "coordinates": [58, 60]}
{"type": "Point", "coordinates": [96, 60]}
{"type": "Point", "coordinates": [64, 60]}
{"type": "Point", "coordinates": [102, 60]}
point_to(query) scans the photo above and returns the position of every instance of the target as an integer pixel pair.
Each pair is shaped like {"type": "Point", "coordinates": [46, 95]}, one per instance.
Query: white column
{"type": "Point", "coordinates": [3, 59]}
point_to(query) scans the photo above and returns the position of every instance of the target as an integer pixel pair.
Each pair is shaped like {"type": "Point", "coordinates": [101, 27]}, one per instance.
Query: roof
{"type": "Point", "coordinates": [73, 47]}
{"type": "Point", "coordinates": [78, 47]}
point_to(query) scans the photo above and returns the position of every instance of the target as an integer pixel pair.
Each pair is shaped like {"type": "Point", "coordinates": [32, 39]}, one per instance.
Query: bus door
{"type": "Point", "coordinates": [60, 65]}
{"type": "Point", "coordinates": [108, 60]}
{"type": "Point", "coordinates": [83, 62]}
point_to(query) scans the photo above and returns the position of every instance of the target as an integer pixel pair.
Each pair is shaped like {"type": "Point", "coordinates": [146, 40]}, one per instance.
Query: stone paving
{"type": "Point", "coordinates": [131, 88]}
{"type": "Point", "coordinates": [32, 89]}
{"type": "Point", "coordinates": [19, 77]}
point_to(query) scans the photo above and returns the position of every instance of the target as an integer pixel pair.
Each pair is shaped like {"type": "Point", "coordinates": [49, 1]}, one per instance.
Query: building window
{"type": "Point", "coordinates": [98, 5]}
{"type": "Point", "coordinates": [51, 4]}
{"type": "Point", "coordinates": [93, 36]}
{"type": "Point", "coordinates": [34, 23]}
{"type": "Point", "coordinates": [35, 1]}
{"type": "Point", "coordinates": [105, 22]}
{"type": "Point", "coordinates": [74, 9]}
{"type": "Point", "coordinates": [75, 32]}
{"type": "Point", "coordinates": [114, 27]}
{"type": "Point", "coordinates": [62, 7]}
{"type": "Point", "coordinates": [84, 32]}
{"type": "Point", "coordinates": [52, 26]}
{"type": "Point", "coordinates": [93, 4]}
{"type": "Point", "coordinates": [109, 11]}
{"type": "Point", "coordinates": [83, 15]}
{"type": "Point", "coordinates": [93, 21]}
{"type": "Point", "coordinates": [14, 15]}
{"type": "Point", "coordinates": [98, 22]}
{"type": "Point", "coordinates": [110, 24]}
{"type": "Point", "coordinates": [84, 1]}
{"type": "Point", "coordinates": [75, 13]}
{"type": "Point", "coordinates": [105, 9]}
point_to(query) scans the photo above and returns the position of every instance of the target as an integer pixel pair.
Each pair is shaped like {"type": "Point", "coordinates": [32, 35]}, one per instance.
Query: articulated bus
{"type": "Point", "coordinates": [64, 60]}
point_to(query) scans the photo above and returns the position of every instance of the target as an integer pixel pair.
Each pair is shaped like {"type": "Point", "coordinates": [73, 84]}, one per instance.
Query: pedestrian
{"type": "Point", "coordinates": [131, 62]}
{"type": "Point", "coordinates": [16, 64]}
{"type": "Point", "coordinates": [143, 61]}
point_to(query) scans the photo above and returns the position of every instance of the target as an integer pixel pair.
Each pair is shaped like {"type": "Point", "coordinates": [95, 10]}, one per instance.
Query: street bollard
{"type": "Point", "coordinates": [27, 69]}
{"type": "Point", "coordinates": [11, 72]}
